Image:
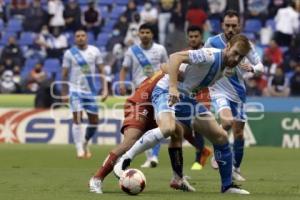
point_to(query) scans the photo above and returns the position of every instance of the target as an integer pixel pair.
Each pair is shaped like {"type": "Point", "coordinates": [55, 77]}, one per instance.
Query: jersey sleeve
{"type": "Point", "coordinates": [207, 44]}
{"type": "Point", "coordinates": [254, 59]}
{"type": "Point", "coordinates": [67, 60]}
{"type": "Point", "coordinates": [164, 55]}
{"type": "Point", "coordinates": [202, 56]}
{"type": "Point", "coordinates": [99, 57]}
{"type": "Point", "coordinates": [127, 62]}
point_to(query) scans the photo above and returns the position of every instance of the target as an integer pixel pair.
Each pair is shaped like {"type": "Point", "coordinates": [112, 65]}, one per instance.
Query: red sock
{"type": "Point", "coordinates": [107, 166]}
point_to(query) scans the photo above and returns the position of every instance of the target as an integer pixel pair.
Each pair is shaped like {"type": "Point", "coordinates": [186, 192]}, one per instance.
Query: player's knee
{"type": "Point", "coordinates": [227, 124]}
{"type": "Point", "coordinates": [221, 138]}
{"type": "Point", "coordinates": [239, 135]}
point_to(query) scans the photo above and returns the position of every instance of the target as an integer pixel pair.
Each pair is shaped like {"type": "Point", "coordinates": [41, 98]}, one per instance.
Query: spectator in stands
{"type": "Point", "coordinates": [278, 85]}
{"type": "Point", "coordinates": [3, 10]}
{"type": "Point", "coordinates": [132, 32]}
{"type": "Point", "coordinates": [13, 52]}
{"type": "Point", "coordinates": [35, 17]}
{"type": "Point", "coordinates": [237, 5]}
{"type": "Point", "coordinates": [195, 15]}
{"type": "Point", "coordinates": [295, 81]}
{"type": "Point", "coordinates": [274, 6]}
{"type": "Point", "coordinates": [131, 9]}
{"type": "Point", "coordinates": [216, 8]}
{"type": "Point", "coordinates": [36, 77]}
{"type": "Point", "coordinates": [273, 54]}
{"type": "Point", "coordinates": [252, 87]}
{"type": "Point", "coordinates": [257, 9]}
{"type": "Point", "coordinates": [164, 18]}
{"type": "Point", "coordinates": [56, 43]}
{"type": "Point", "coordinates": [18, 7]}
{"type": "Point", "coordinates": [72, 16]}
{"type": "Point", "coordinates": [149, 14]}
{"type": "Point", "coordinates": [55, 11]}
{"type": "Point", "coordinates": [8, 82]}
{"type": "Point", "coordinates": [287, 24]}
{"type": "Point", "coordinates": [116, 38]}
{"type": "Point", "coordinates": [122, 25]}
{"type": "Point", "coordinates": [92, 19]}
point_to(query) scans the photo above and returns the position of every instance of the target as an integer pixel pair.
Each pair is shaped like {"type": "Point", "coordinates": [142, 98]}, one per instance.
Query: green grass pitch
{"type": "Point", "coordinates": [51, 172]}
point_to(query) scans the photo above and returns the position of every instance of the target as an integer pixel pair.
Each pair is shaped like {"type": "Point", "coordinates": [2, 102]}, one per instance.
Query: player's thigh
{"type": "Point", "coordinates": [208, 126]}
{"type": "Point", "coordinates": [93, 118]}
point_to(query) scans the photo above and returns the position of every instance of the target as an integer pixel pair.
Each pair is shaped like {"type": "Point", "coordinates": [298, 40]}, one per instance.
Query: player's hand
{"type": "Point", "coordinates": [104, 95]}
{"type": "Point", "coordinates": [247, 67]}
{"type": "Point", "coordinates": [173, 96]}
{"type": "Point", "coordinates": [122, 89]}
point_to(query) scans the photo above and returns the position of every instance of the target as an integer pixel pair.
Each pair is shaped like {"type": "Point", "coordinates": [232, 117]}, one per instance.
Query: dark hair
{"type": "Point", "coordinates": [231, 13]}
{"type": "Point", "coordinates": [194, 28]}
{"type": "Point", "coordinates": [147, 26]}
{"type": "Point", "coordinates": [80, 29]}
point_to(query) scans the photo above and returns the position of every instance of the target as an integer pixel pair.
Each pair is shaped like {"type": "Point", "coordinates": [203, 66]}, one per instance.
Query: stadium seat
{"type": "Point", "coordinates": [117, 12]}
{"type": "Point", "coordinates": [250, 36]}
{"type": "Point", "coordinates": [102, 39]}
{"type": "Point", "coordinates": [52, 66]}
{"type": "Point", "coordinates": [14, 25]}
{"type": "Point", "coordinates": [26, 38]}
{"type": "Point", "coordinates": [121, 2]}
{"type": "Point", "coordinates": [271, 23]}
{"type": "Point", "coordinates": [6, 36]}
{"type": "Point", "coordinates": [82, 2]}
{"type": "Point", "coordinates": [108, 26]}
{"type": "Point", "coordinates": [28, 66]}
{"type": "Point", "coordinates": [91, 38]}
{"type": "Point", "coordinates": [252, 25]}
{"type": "Point", "coordinates": [105, 2]}
{"type": "Point", "coordinates": [215, 25]}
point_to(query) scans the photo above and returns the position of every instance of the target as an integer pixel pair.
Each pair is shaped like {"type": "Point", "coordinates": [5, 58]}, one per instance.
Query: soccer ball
{"type": "Point", "coordinates": [132, 181]}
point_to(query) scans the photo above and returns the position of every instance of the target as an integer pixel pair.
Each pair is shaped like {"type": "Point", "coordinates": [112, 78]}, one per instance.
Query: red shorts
{"type": "Point", "coordinates": [138, 109]}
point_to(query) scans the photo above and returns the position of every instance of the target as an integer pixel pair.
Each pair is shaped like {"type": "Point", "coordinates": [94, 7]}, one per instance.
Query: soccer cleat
{"type": "Point", "coordinates": [122, 164]}
{"type": "Point", "coordinates": [95, 185]}
{"type": "Point", "coordinates": [181, 184]}
{"type": "Point", "coordinates": [214, 163]}
{"type": "Point", "coordinates": [154, 161]}
{"type": "Point", "coordinates": [236, 175]}
{"type": "Point", "coordinates": [86, 149]}
{"type": "Point", "coordinates": [234, 189]}
{"type": "Point", "coordinates": [196, 166]}
{"type": "Point", "coordinates": [206, 152]}
{"type": "Point", "coordinates": [147, 164]}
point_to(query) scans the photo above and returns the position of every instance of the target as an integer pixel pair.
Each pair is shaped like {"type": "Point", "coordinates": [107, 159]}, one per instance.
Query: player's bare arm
{"type": "Point", "coordinates": [104, 83]}
{"type": "Point", "coordinates": [123, 74]}
{"type": "Point", "coordinates": [173, 69]}
{"type": "Point", "coordinates": [64, 92]}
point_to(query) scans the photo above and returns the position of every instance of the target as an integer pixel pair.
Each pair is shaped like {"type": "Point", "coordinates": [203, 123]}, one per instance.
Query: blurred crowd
{"type": "Point", "coordinates": [35, 33]}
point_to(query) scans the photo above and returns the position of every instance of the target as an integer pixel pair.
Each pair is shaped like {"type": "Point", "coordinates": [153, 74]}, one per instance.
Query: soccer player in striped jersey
{"type": "Point", "coordinates": [229, 93]}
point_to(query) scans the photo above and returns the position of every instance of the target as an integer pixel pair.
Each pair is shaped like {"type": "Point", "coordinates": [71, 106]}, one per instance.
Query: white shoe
{"type": "Point", "coordinates": [95, 185]}
{"type": "Point", "coordinates": [235, 189]}
{"type": "Point", "coordinates": [147, 164]}
{"type": "Point", "coordinates": [214, 163]}
{"type": "Point", "coordinates": [154, 161]}
{"type": "Point", "coordinates": [236, 175]}
{"type": "Point", "coordinates": [121, 165]}
{"type": "Point", "coordinates": [181, 184]}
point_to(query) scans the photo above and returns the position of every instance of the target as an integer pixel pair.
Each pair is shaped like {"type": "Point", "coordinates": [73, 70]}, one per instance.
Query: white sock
{"type": "Point", "coordinates": [148, 153]}
{"type": "Point", "coordinates": [147, 141]}
{"type": "Point", "coordinates": [77, 136]}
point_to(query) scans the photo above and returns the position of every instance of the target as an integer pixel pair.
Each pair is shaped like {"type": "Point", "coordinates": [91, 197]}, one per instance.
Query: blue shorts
{"type": "Point", "coordinates": [82, 101]}
{"type": "Point", "coordinates": [185, 110]}
{"type": "Point", "coordinates": [237, 109]}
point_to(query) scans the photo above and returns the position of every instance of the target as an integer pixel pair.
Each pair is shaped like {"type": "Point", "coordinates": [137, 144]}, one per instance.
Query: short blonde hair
{"type": "Point", "coordinates": [242, 42]}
